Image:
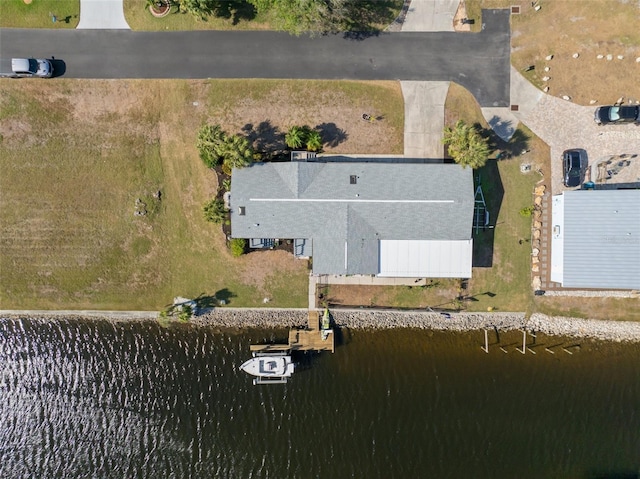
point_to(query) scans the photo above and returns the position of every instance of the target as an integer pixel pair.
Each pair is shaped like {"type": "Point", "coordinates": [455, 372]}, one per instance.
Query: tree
{"type": "Point", "coordinates": [295, 137]}
{"type": "Point", "coordinates": [297, 16]}
{"type": "Point", "coordinates": [314, 140]}
{"type": "Point", "coordinates": [211, 144]}
{"type": "Point", "coordinates": [215, 211]}
{"type": "Point", "coordinates": [198, 8]}
{"type": "Point", "coordinates": [466, 146]}
{"type": "Point", "coordinates": [238, 152]}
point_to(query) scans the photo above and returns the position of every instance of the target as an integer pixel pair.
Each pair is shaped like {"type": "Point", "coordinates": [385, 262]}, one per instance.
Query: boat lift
{"type": "Point", "coordinates": [480, 212]}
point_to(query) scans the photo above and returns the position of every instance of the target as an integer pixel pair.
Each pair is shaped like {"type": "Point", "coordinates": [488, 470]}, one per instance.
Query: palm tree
{"type": "Point", "coordinates": [211, 144]}
{"type": "Point", "coordinates": [314, 141]}
{"type": "Point", "coordinates": [466, 146]}
{"type": "Point", "coordinates": [215, 211]}
{"type": "Point", "coordinates": [238, 152]}
{"type": "Point", "coordinates": [295, 137]}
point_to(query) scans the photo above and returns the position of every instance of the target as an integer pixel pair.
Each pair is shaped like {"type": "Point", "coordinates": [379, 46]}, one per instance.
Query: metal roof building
{"type": "Point", "coordinates": [596, 239]}
{"type": "Point", "coordinates": [386, 219]}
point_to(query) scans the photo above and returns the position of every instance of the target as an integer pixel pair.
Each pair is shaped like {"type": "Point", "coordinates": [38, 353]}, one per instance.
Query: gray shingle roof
{"type": "Point", "coordinates": [316, 200]}
{"type": "Point", "coordinates": [602, 239]}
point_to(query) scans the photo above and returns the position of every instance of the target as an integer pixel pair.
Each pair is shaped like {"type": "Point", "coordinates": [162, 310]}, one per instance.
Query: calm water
{"type": "Point", "coordinates": [93, 400]}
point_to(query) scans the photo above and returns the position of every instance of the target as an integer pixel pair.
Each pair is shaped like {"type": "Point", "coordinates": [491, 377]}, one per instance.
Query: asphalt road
{"type": "Point", "coordinates": [479, 62]}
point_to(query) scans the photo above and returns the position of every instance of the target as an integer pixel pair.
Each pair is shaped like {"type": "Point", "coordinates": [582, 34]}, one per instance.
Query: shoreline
{"type": "Point", "coordinates": [268, 318]}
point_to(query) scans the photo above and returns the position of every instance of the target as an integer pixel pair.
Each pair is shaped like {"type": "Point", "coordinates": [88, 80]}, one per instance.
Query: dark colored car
{"type": "Point", "coordinates": [574, 165]}
{"type": "Point", "coordinates": [617, 114]}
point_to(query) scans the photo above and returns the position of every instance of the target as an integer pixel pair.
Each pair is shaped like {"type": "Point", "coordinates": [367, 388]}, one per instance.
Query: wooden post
{"type": "Point", "coordinates": [486, 342]}
{"type": "Point", "coordinates": [524, 341]}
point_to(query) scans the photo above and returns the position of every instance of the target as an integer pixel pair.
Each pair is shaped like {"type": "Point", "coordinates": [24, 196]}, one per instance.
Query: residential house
{"type": "Point", "coordinates": [377, 218]}
{"type": "Point", "coordinates": [595, 240]}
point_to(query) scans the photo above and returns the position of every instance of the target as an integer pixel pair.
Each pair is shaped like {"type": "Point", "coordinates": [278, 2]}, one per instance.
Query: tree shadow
{"type": "Point", "coordinates": [517, 145]}
{"type": "Point", "coordinates": [615, 475]}
{"type": "Point", "coordinates": [265, 138]}
{"type": "Point", "coordinates": [488, 178]}
{"type": "Point", "coordinates": [331, 135]}
{"type": "Point", "coordinates": [224, 296]}
{"type": "Point", "coordinates": [363, 19]}
{"type": "Point", "coordinates": [205, 303]}
{"type": "Point", "coordinates": [236, 10]}
{"type": "Point", "coordinates": [359, 36]}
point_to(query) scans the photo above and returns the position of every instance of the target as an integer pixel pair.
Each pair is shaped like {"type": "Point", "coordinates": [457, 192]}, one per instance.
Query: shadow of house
{"type": "Point", "coordinates": [488, 178]}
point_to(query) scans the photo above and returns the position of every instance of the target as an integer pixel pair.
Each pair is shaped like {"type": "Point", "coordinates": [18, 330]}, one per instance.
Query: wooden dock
{"type": "Point", "coordinates": [309, 339]}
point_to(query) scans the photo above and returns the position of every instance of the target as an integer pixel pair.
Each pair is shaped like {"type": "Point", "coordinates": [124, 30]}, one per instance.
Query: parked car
{"type": "Point", "coordinates": [574, 166]}
{"type": "Point", "coordinates": [617, 114]}
{"type": "Point", "coordinates": [26, 67]}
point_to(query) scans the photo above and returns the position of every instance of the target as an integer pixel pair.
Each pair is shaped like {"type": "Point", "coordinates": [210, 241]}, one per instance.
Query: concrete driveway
{"type": "Point", "coordinates": [430, 16]}
{"type": "Point", "coordinates": [424, 118]}
{"type": "Point", "coordinates": [99, 14]}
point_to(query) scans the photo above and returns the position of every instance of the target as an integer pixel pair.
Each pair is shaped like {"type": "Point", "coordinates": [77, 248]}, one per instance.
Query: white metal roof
{"type": "Point", "coordinates": [599, 237]}
{"type": "Point", "coordinates": [426, 259]}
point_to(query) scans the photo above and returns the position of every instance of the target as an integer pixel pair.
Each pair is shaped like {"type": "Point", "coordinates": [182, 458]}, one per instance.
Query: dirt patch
{"type": "Point", "coordinates": [336, 113]}
{"type": "Point", "coordinates": [258, 266]}
{"type": "Point", "coordinates": [580, 36]}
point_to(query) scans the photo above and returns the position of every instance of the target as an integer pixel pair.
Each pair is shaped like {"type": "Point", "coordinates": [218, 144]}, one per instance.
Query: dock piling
{"type": "Point", "coordinates": [486, 342]}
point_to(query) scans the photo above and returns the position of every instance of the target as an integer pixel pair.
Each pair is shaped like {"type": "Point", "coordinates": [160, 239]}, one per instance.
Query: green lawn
{"type": "Point", "coordinates": [76, 156]}
{"type": "Point", "coordinates": [39, 14]}
{"type": "Point", "coordinates": [239, 16]}
{"type": "Point", "coordinates": [505, 285]}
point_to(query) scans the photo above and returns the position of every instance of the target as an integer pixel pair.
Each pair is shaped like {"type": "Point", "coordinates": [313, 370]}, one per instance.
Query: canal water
{"type": "Point", "coordinates": [92, 399]}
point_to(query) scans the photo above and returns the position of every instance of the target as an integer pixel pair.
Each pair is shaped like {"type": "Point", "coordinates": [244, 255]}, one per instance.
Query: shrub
{"type": "Point", "coordinates": [526, 211]}
{"type": "Point", "coordinates": [295, 137]}
{"type": "Point", "coordinates": [314, 141]}
{"type": "Point", "coordinates": [238, 247]}
{"type": "Point", "coordinates": [185, 313]}
{"type": "Point", "coordinates": [214, 211]}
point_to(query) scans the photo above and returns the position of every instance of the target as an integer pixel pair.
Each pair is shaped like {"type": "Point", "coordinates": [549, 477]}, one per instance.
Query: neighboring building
{"type": "Point", "coordinates": [384, 219]}
{"type": "Point", "coordinates": [595, 239]}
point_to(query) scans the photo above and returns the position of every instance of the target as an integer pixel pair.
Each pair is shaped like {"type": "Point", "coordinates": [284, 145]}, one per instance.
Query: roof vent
{"type": "Point", "coordinates": [241, 210]}
{"type": "Point", "coordinates": [353, 179]}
